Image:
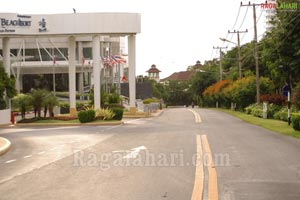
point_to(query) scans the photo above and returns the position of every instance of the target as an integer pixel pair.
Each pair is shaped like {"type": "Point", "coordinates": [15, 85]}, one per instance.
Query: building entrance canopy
{"type": "Point", "coordinates": [14, 27]}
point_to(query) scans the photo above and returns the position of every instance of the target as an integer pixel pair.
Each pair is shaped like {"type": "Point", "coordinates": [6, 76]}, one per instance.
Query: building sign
{"type": "Point", "coordinates": [10, 25]}
{"type": "Point", "coordinates": [280, 6]}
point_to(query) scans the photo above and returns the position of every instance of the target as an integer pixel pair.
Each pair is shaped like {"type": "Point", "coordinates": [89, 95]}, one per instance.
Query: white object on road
{"type": "Point", "coordinates": [132, 153]}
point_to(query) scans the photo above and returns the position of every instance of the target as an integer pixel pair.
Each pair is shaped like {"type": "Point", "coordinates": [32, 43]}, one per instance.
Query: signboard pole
{"type": "Point", "coordinates": [289, 107]}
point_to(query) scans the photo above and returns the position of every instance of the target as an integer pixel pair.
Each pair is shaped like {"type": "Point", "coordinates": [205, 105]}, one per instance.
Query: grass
{"type": "Point", "coordinates": [270, 124]}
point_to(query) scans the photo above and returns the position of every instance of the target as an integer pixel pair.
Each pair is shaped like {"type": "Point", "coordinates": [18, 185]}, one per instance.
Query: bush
{"type": "Point", "coordinates": [86, 116]}
{"type": "Point", "coordinates": [276, 99]}
{"type": "Point", "coordinates": [64, 107]}
{"type": "Point", "coordinates": [296, 121]}
{"type": "Point", "coordinates": [118, 113]}
{"type": "Point", "coordinates": [150, 100]}
{"type": "Point", "coordinates": [105, 114]}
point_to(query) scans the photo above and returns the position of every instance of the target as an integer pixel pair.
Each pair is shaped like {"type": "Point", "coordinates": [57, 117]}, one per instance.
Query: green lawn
{"type": "Point", "coordinates": [270, 124]}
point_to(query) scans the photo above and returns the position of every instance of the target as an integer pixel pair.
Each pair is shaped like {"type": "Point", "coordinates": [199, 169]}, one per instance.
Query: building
{"type": "Point", "coordinates": [270, 14]}
{"type": "Point", "coordinates": [153, 73]}
{"type": "Point", "coordinates": [69, 47]}
{"type": "Point", "coordinates": [178, 76]}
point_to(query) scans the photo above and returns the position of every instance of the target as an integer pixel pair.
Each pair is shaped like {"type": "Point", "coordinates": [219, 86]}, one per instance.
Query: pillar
{"type": "Point", "coordinates": [72, 75]}
{"type": "Point", "coordinates": [132, 81]}
{"type": "Point", "coordinates": [6, 54]}
{"type": "Point", "coordinates": [80, 75]}
{"type": "Point", "coordinates": [96, 71]}
{"type": "Point", "coordinates": [6, 62]}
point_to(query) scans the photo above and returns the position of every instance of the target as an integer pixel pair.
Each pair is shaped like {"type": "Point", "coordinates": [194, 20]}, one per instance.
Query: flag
{"type": "Point", "coordinates": [119, 59]}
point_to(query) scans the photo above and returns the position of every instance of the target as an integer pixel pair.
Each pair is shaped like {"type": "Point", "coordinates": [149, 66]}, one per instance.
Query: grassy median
{"type": "Point", "coordinates": [270, 124]}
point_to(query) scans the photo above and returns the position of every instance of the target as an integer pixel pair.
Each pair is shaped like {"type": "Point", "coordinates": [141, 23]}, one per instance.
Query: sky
{"type": "Point", "coordinates": [175, 33]}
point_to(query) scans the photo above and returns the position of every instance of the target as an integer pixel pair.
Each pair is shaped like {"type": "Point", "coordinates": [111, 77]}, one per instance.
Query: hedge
{"type": "Point", "coordinates": [85, 116]}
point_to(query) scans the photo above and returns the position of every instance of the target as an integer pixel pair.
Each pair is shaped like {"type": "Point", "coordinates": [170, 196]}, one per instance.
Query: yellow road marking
{"type": "Point", "coordinates": [197, 116]}
{"type": "Point", "coordinates": [212, 173]}
{"type": "Point", "coordinates": [199, 176]}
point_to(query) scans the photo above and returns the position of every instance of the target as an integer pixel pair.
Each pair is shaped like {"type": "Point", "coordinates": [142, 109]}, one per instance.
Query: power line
{"type": "Point", "coordinates": [220, 50]}
{"type": "Point", "coordinates": [244, 18]}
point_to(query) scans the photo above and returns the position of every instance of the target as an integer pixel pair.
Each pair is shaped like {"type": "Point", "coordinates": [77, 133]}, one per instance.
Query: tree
{"type": "Point", "coordinates": [23, 103]}
{"type": "Point", "coordinates": [50, 102]}
{"type": "Point", "coordinates": [38, 100]}
{"type": "Point", "coordinates": [7, 87]}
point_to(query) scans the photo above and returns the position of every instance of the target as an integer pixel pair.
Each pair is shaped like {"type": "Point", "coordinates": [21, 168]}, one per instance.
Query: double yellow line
{"type": "Point", "coordinates": [196, 115]}
{"type": "Point", "coordinates": [202, 141]}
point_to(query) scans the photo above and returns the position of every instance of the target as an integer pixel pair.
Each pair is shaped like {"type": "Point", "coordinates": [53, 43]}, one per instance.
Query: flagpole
{"type": "Point", "coordinates": [54, 61]}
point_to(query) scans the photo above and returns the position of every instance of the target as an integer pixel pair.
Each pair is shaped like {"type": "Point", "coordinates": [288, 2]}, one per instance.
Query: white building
{"type": "Point", "coordinates": [70, 44]}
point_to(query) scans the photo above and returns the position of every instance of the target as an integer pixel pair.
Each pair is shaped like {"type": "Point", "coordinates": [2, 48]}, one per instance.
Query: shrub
{"type": "Point", "coordinates": [150, 100]}
{"type": "Point", "coordinates": [118, 113]}
{"type": "Point", "coordinates": [105, 114]}
{"type": "Point", "coordinates": [64, 107]}
{"type": "Point", "coordinates": [296, 121]}
{"type": "Point", "coordinates": [86, 116]}
{"type": "Point", "coordinates": [276, 99]}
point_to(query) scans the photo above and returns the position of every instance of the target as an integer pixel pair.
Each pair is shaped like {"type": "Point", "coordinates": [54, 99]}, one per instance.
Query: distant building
{"type": "Point", "coordinates": [270, 15]}
{"type": "Point", "coordinates": [153, 73]}
{"type": "Point", "coordinates": [178, 76]}
{"type": "Point", "coordinates": [197, 67]}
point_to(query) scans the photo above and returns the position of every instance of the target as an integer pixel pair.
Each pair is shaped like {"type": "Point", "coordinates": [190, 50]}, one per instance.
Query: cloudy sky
{"type": "Point", "coordinates": [175, 33]}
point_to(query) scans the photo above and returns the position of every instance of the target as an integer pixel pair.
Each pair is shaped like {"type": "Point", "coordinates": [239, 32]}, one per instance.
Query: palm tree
{"type": "Point", "coordinates": [23, 103]}
{"type": "Point", "coordinates": [38, 99]}
{"type": "Point", "coordinates": [50, 102]}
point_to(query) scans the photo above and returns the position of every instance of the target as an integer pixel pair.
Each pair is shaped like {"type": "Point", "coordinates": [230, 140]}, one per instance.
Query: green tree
{"type": "Point", "coordinates": [38, 101]}
{"type": "Point", "coordinates": [7, 87]}
{"type": "Point", "coordinates": [23, 103]}
{"type": "Point", "coordinates": [50, 102]}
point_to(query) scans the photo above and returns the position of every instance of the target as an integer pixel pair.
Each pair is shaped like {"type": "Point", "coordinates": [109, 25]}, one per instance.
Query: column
{"type": "Point", "coordinates": [6, 54]}
{"type": "Point", "coordinates": [72, 75]}
{"type": "Point", "coordinates": [6, 62]}
{"type": "Point", "coordinates": [80, 74]}
{"type": "Point", "coordinates": [131, 78]}
{"type": "Point", "coordinates": [96, 71]}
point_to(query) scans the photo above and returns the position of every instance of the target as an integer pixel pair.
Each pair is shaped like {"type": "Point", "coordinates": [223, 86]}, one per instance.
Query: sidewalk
{"type": "Point", "coordinates": [4, 145]}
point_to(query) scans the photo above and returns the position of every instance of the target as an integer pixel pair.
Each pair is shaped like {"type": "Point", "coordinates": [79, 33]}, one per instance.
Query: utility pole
{"type": "Point", "coordinates": [221, 71]}
{"type": "Point", "coordinates": [239, 49]}
{"type": "Point", "coordinates": [255, 50]}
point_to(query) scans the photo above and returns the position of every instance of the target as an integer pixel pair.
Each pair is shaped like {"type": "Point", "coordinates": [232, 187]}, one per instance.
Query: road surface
{"type": "Point", "coordinates": [182, 154]}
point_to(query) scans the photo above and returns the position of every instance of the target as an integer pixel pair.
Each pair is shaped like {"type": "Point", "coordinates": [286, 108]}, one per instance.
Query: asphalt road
{"type": "Point", "coordinates": [151, 158]}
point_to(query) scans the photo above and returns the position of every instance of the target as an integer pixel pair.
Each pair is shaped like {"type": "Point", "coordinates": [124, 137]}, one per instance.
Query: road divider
{"type": "Point", "coordinates": [212, 173]}
{"type": "Point", "coordinates": [196, 115]}
{"type": "Point", "coordinates": [199, 175]}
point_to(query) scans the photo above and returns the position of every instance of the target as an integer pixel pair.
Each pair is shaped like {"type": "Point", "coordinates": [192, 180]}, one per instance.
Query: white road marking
{"type": "Point", "coordinates": [134, 152]}
{"type": "Point", "coordinates": [40, 153]}
{"type": "Point", "coordinates": [10, 161]}
{"type": "Point", "coordinates": [28, 156]}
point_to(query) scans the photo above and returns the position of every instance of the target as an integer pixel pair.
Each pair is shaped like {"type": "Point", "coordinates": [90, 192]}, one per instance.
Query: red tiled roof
{"type": "Point", "coordinates": [153, 69]}
{"type": "Point", "coordinates": [179, 76]}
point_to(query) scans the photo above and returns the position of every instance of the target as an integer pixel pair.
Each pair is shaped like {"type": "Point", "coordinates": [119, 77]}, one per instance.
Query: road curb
{"type": "Point", "coordinates": [63, 124]}
{"type": "Point", "coordinates": [5, 145]}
